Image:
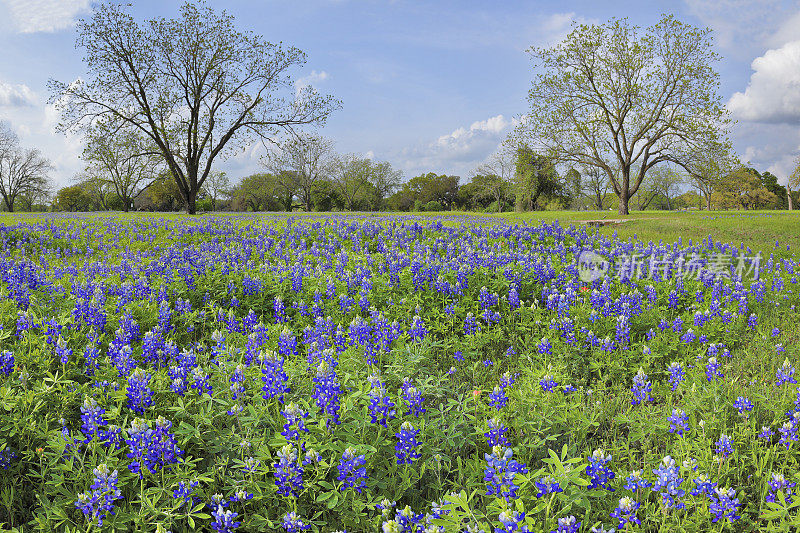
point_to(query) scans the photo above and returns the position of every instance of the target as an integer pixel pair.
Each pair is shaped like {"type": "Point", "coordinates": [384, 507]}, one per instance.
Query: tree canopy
{"type": "Point", "coordinates": [196, 86]}
{"type": "Point", "coordinates": [612, 97]}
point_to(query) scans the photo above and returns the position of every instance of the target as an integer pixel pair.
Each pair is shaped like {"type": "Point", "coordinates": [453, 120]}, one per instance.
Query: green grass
{"type": "Point", "coordinates": [758, 230]}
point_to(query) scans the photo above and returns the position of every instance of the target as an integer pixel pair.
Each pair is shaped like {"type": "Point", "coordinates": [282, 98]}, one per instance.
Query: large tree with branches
{"type": "Point", "coordinates": [196, 86]}
{"type": "Point", "coordinates": [612, 97]}
{"type": "Point", "coordinates": [123, 158]}
{"type": "Point", "coordinates": [23, 172]}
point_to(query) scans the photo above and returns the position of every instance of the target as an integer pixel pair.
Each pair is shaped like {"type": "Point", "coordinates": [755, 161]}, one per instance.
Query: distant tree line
{"type": "Point", "coordinates": [306, 174]}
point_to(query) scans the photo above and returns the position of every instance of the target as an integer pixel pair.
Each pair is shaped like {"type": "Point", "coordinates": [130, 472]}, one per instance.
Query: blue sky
{"type": "Point", "coordinates": [428, 86]}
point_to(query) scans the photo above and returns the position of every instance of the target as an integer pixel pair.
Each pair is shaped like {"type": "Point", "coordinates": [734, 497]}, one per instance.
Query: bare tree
{"type": "Point", "coordinates": [196, 86]}
{"type": "Point", "coordinates": [307, 158]}
{"type": "Point", "coordinates": [666, 182]}
{"type": "Point", "coordinates": [217, 184]}
{"type": "Point", "coordinates": [23, 172]}
{"type": "Point", "coordinates": [494, 176]}
{"type": "Point", "coordinates": [122, 157]}
{"type": "Point", "coordinates": [597, 184]}
{"type": "Point", "coordinates": [614, 99]}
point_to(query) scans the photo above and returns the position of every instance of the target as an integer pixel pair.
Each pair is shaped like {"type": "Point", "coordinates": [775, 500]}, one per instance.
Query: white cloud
{"type": "Point", "coordinates": [741, 27]}
{"type": "Point", "coordinates": [457, 152]}
{"type": "Point", "coordinates": [32, 16]}
{"type": "Point", "coordinates": [310, 80]}
{"type": "Point", "coordinates": [773, 93]}
{"type": "Point", "coordinates": [16, 95]}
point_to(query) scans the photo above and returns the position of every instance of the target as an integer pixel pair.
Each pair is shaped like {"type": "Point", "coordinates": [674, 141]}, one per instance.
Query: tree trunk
{"type": "Point", "coordinates": [191, 197]}
{"type": "Point", "coordinates": [789, 197]}
{"type": "Point", "coordinates": [623, 203]}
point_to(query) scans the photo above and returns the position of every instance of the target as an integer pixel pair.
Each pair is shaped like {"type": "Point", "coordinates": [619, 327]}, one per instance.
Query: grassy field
{"type": "Point", "coordinates": [491, 326]}
{"type": "Point", "coordinates": [759, 230]}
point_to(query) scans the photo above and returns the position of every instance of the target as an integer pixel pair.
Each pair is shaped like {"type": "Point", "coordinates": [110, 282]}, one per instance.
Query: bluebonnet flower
{"type": "Point", "coordinates": [241, 495]}
{"type": "Point", "coordinates": [471, 326]}
{"type": "Point", "coordinates": [625, 512]}
{"type": "Point", "coordinates": [498, 398]}
{"type": "Point", "coordinates": [6, 456]}
{"type": "Point", "coordinates": [62, 350]}
{"type": "Point", "coordinates": [548, 384]}
{"type": "Point", "coordinates": [104, 492]}
{"type": "Point", "coordinates": [513, 298]}
{"type": "Point", "coordinates": [6, 363]}
{"type": "Point", "coordinates": [279, 310]}
{"type": "Point", "coordinates": [458, 356]}
{"type": "Point", "coordinates": [287, 343]}
{"type": "Point", "coordinates": [251, 464]}
{"type": "Point", "coordinates": [292, 523]}
{"type": "Point", "coordinates": [151, 448]}
{"type": "Point", "coordinates": [513, 522]}
{"type": "Point", "coordinates": [724, 503]}
{"type": "Point", "coordinates": [766, 433]}
{"type": "Point", "coordinates": [294, 416]}
{"type": "Point", "coordinates": [496, 434]}
{"type": "Point", "coordinates": [327, 390]}
{"type": "Point", "coordinates": [140, 395]}
{"type": "Point", "coordinates": [417, 330]}
{"type": "Point", "coordinates": [789, 431]}
{"type": "Point", "coordinates": [352, 470]}
{"type": "Point", "coordinates": [200, 381]}
{"type": "Point", "coordinates": [184, 492]}
{"type": "Point", "coordinates": [703, 485]}
{"type": "Point", "coordinates": [237, 381]}
{"type": "Point", "coordinates": [743, 405]}
{"type": "Point", "coordinates": [635, 481]}
{"type": "Point", "coordinates": [712, 369]}
{"type": "Point", "coordinates": [178, 375]}
{"type": "Point", "coordinates": [676, 374]}
{"type": "Point", "coordinates": [568, 524]}
{"type": "Point", "coordinates": [288, 472]}
{"type": "Point", "coordinates": [641, 388]}
{"type": "Point", "coordinates": [668, 482]}
{"type": "Point", "coordinates": [785, 374]}
{"type": "Point", "coordinates": [600, 474]}
{"type": "Point", "coordinates": [407, 444]}
{"type": "Point", "coordinates": [381, 407]}
{"type": "Point", "coordinates": [500, 472]}
{"type": "Point", "coordinates": [409, 521]}
{"type": "Point", "coordinates": [274, 378]}
{"type": "Point", "coordinates": [678, 422]}
{"type": "Point", "coordinates": [224, 521]}
{"type": "Point", "coordinates": [780, 483]}
{"type": "Point", "coordinates": [90, 354]}
{"type": "Point", "coordinates": [545, 348]}
{"type": "Point", "coordinates": [413, 398]}
{"type": "Point", "coordinates": [724, 446]}
{"type": "Point", "coordinates": [92, 418]}
{"type": "Point", "coordinates": [547, 485]}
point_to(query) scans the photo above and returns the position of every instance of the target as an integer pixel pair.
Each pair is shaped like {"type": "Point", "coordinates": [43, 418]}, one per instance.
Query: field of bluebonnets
{"type": "Point", "coordinates": [395, 374]}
